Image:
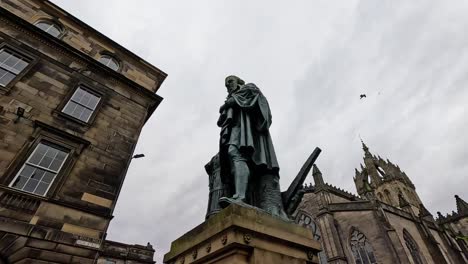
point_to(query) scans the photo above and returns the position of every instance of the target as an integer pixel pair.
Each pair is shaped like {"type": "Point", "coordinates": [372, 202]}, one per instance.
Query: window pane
{"type": "Point", "coordinates": [43, 25]}
{"type": "Point", "coordinates": [61, 155]}
{"type": "Point", "coordinates": [69, 108]}
{"type": "Point", "coordinates": [86, 114]}
{"type": "Point", "coordinates": [5, 77]}
{"type": "Point", "coordinates": [50, 28]}
{"type": "Point", "coordinates": [113, 65]}
{"type": "Point", "coordinates": [41, 188]}
{"type": "Point", "coordinates": [10, 64]}
{"type": "Point", "coordinates": [19, 182]}
{"type": "Point", "coordinates": [45, 162]}
{"type": "Point", "coordinates": [93, 102]}
{"type": "Point", "coordinates": [48, 177]}
{"type": "Point", "coordinates": [38, 154]}
{"type": "Point", "coordinates": [37, 175]}
{"type": "Point", "coordinates": [42, 148]}
{"type": "Point", "coordinates": [27, 171]}
{"type": "Point", "coordinates": [21, 65]}
{"type": "Point", "coordinates": [109, 62]}
{"type": "Point", "coordinates": [370, 252]}
{"type": "Point", "coordinates": [85, 99]}
{"type": "Point", "coordinates": [357, 257]}
{"type": "Point", "coordinates": [4, 56]}
{"type": "Point", "coordinates": [361, 248]}
{"type": "Point", "coordinates": [54, 31]}
{"type": "Point", "coordinates": [363, 253]}
{"type": "Point", "coordinates": [104, 60]}
{"type": "Point", "coordinates": [51, 152]}
{"type": "Point", "coordinates": [31, 185]}
{"type": "Point", "coordinates": [412, 247]}
{"type": "Point", "coordinates": [78, 95]}
{"type": "Point", "coordinates": [55, 165]}
{"type": "Point", "coordinates": [77, 112]}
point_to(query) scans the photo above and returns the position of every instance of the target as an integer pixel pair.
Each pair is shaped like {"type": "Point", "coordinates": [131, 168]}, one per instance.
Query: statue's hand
{"type": "Point", "coordinates": [229, 102]}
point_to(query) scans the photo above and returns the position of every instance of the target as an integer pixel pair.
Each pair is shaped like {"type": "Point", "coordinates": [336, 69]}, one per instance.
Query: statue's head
{"type": "Point", "coordinates": [233, 83]}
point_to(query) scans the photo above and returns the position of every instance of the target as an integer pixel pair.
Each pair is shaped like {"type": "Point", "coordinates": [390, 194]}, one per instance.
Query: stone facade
{"type": "Point", "coordinates": [386, 223]}
{"type": "Point", "coordinates": [69, 123]}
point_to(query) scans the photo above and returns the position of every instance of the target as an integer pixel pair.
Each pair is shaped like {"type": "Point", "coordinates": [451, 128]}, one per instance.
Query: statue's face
{"type": "Point", "coordinates": [232, 84]}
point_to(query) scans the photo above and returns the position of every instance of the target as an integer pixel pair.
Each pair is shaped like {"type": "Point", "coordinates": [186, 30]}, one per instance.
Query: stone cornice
{"type": "Point", "coordinates": [449, 218]}
{"type": "Point", "coordinates": [332, 189]}
{"type": "Point", "coordinates": [79, 57]}
{"type": "Point", "coordinates": [102, 213]}
{"type": "Point", "coordinates": [112, 42]}
{"type": "Point", "coordinates": [129, 252]}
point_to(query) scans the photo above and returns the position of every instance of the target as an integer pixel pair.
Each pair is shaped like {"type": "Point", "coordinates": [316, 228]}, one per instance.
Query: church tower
{"type": "Point", "coordinates": [386, 182]}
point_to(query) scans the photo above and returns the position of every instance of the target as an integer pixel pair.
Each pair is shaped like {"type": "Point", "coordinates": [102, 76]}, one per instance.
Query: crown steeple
{"type": "Point", "coordinates": [386, 180]}
{"type": "Point", "coordinates": [366, 149]}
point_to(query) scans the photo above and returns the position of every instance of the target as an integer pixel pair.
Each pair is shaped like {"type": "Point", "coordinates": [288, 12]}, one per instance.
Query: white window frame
{"type": "Point", "coordinates": [13, 70]}
{"type": "Point", "coordinates": [84, 89]}
{"type": "Point", "coordinates": [40, 167]}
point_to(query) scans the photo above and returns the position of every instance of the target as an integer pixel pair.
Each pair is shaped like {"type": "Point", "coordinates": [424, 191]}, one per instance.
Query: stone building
{"type": "Point", "coordinates": [72, 106]}
{"type": "Point", "coordinates": [386, 223]}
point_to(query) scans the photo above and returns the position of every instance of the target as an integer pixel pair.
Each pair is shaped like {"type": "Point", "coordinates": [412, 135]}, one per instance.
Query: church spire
{"type": "Point", "coordinates": [370, 164]}
{"type": "Point", "coordinates": [462, 206]}
{"type": "Point", "coordinates": [366, 149]}
{"type": "Point", "coordinates": [317, 174]}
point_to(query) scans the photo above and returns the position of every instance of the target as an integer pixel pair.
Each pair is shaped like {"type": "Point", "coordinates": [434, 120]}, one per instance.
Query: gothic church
{"type": "Point", "coordinates": [386, 223]}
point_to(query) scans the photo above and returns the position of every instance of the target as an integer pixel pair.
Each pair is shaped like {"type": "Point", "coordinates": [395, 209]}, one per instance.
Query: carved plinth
{"type": "Point", "coordinates": [239, 235]}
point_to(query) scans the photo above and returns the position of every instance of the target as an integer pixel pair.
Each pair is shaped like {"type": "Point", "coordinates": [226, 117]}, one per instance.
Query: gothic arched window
{"type": "Point", "coordinates": [412, 247]}
{"type": "Point", "coordinates": [306, 221]}
{"type": "Point", "coordinates": [361, 248]}
{"type": "Point", "coordinates": [381, 171]}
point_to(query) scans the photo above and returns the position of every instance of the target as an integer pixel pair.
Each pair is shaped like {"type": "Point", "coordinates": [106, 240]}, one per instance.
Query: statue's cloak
{"type": "Point", "coordinates": [246, 125]}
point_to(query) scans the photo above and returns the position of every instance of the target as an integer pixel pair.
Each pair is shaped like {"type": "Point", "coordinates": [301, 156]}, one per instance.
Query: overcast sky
{"type": "Point", "coordinates": [312, 60]}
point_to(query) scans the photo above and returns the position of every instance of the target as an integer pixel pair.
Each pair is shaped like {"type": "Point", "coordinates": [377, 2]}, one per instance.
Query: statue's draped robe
{"type": "Point", "coordinates": [246, 125]}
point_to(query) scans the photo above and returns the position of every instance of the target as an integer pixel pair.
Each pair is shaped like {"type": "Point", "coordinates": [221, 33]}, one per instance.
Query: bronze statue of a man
{"type": "Point", "coordinates": [246, 149]}
{"type": "Point", "coordinates": [245, 170]}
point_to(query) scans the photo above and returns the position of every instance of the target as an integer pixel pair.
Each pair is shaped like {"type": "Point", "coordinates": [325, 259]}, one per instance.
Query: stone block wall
{"type": "Point", "coordinates": [75, 211]}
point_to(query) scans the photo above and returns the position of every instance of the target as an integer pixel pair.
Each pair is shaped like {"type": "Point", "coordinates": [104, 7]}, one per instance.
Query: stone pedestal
{"type": "Point", "coordinates": [240, 235]}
